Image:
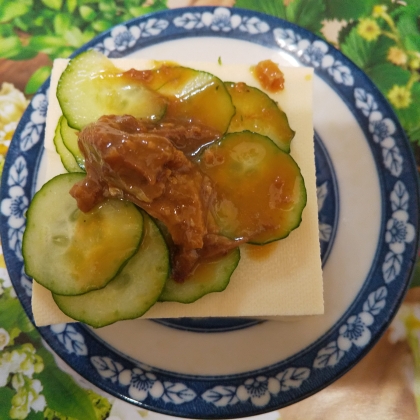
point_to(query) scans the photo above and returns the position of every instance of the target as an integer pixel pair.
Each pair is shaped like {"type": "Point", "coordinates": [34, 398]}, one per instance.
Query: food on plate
{"type": "Point", "coordinates": [192, 95]}
{"type": "Point", "coordinates": [134, 289]}
{"type": "Point", "coordinates": [68, 158]}
{"type": "Point", "coordinates": [70, 138]}
{"type": "Point", "coordinates": [269, 75]}
{"type": "Point", "coordinates": [126, 159]}
{"type": "Point", "coordinates": [188, 164]}
{"type": "Point", "coordinates": [59, 238]}
{"type": "Point", "coordinates": [257, 112]}
{"type": "Point", "coordinates": [92, 86]}
{"type": "Point", "coordinates": [259, 191]}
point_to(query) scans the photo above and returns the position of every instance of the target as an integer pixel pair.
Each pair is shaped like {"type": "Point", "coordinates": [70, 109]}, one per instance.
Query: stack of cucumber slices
{"type": "Point", "coordinates": [113, 263]}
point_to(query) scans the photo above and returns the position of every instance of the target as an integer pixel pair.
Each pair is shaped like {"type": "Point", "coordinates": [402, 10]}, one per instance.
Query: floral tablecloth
{"type": "Point", "coordinates": [381, 36]}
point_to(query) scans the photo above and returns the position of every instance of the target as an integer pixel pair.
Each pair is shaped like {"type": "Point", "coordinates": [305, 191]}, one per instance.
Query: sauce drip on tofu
{"type": "Point", "coordinates": [269, 75]}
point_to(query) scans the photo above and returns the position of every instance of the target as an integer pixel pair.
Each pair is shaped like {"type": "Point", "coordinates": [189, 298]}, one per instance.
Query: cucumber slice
{"type": "Point", "coordinates": [208, 277]}
{"type": "Point", "coordinates": [70, 252]}
{"type": "Point", "coordinates": [194, 95]}
{"type": "Point", "coordinates": [269, 203]}
{"type": "Point", "coordinates": [70, 140]}
{"type": "Point", "coordinates": [257, 112]}
{"type": "Point", "coordinates": [132, 292]}
{"type": "Point", "coordinates": [67, 158]}
{"type": "Point", "coordinates": [91, 86]}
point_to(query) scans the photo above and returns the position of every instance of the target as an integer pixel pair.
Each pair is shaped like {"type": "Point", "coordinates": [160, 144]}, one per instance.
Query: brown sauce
{"type": "Point", "coordinates": [269, 75]}
{"type": "Point", "coordinates": [130, 159]}
{"type": "Point", "coordinates": [152, 164]}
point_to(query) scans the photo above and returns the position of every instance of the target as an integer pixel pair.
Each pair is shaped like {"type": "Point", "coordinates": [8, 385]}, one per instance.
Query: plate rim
{"type": "Point", "coordinates": [252, 409]}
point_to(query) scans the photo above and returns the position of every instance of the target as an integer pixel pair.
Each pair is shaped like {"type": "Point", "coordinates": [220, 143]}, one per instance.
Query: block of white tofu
{"type": "Point", "coordinates": [281, 279]}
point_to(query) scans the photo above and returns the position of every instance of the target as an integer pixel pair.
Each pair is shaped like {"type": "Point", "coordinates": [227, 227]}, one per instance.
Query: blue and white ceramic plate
{"type": "Point", "coordinates": [368, 210]}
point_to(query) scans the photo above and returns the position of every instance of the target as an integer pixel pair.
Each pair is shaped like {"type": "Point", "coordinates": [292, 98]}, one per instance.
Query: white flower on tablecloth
{"type": "Point", "coordinates": [4, 338]}
{"type": "Point", "coordinates": [28, 396]}
{"type": "Point", "coordinates": [399, 231]}
{"type": "Point", "coordinates": [5, 283]}
{"type": "Point", "coordinates": [10, 362]}
{"type": "Point", "coordinates": [405, 322]}
{"type": "Point", "coordinates": [355, 331]}
{"type": "Point", "coordinates": [12, 105]}
{"type": "Point", "coordinates": [406, 325]}
{"type": "Point", "coordinates": [22, 360]}
{"type": "Point", "coordinates": [4, 278]}
{"type": "Point", "coordinates": [26, 361]}
{"type": "Point", "coordinates": [4, 374]}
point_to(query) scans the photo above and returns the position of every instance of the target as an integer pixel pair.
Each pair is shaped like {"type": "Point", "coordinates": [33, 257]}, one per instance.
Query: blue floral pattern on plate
{"type": "Point", "coordinates": [32, 132]}
{"type": "Point", "coordinates": [283, 383]}
{"type": "Point", "coordinates": [328, 198]}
